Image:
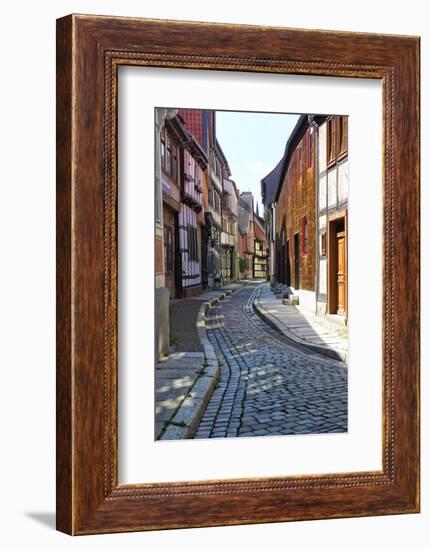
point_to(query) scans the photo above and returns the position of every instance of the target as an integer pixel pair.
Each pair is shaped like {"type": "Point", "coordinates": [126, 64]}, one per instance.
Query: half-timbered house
{"type": "Point", "coordinates": [166, 200]}
{"type": "Point", "coordinates": [309, 214]}
{"type": "Point", "coordinates": [183, 162]}
{"type": "Point", "coordinates": [171, 138]}
{"type": "Point", "coordinates": [260, 255]}
{"type": "Point", "coordinates": [246, 234]}
{"type": "Point", "coordinates": [333, 174]}
{"type": "Point", "coordinates": [198, 122]}
{"type": "Point", "coordinates": [229, 239]}
{"type": "Point", "coordinates": [195, 164]}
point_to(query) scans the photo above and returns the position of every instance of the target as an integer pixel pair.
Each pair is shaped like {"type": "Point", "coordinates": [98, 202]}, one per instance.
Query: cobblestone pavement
{"type": "Point", "coordinates": [182, 319]}
{"type": "Point", "coordinates": [267, 386]}
{"type": "Point", "coordinates": [182, 325]}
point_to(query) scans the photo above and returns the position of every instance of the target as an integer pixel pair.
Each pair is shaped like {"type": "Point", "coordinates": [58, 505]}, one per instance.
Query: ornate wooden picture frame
{"type": "Point", "coordinates": [89, 51]}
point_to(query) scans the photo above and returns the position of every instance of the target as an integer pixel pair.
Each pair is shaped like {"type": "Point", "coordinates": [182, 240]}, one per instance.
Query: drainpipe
{"type": "Point", "coordinates": [314, 126]}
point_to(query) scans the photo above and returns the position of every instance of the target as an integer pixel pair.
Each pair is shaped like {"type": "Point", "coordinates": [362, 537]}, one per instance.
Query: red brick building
{"type": "Point", "coordinates": [311, 205]}
{"type": "Point", "coordinates": [295, 223]}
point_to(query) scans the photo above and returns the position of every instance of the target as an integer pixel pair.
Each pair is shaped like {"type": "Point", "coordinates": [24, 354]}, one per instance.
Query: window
{"type": "Point", "coordinates": [304, 236]}
{"type": "Point", "coordinates": [174, 170]}
{"type": "Point", "coordinates": [195, 244]}
{"type": "Point", "coordinates": [169, 249]}
{"type": "Point", "coordinates": [331, 139]}
{"type": "Point", "coordinates": [309, 148]}
{"type": "Point", "coordinates": [168, 155]}
{"type": "Point", "coordinates": [192, 237]}
{"type": "Point", "coordinates": [323, 244]}
{"type": "Point", "coordinates": [214, 199]}
{"type": "Point", "coordinates": [258, 248]}
{"type": "Point", "coordinates": [337, 130]}
{"type": "Point", "coordinates": [342, 135]}
{"type": "Point", "coordinates": [300, 160]}
{"type": "Point", "coordinates": [217, 202]}
{"type": "Point", "coordinates": [198, 178]}
{"type": "Point", "coordinates": [218, 169]}
{"type": "Point", "coordinates": [162, 150]}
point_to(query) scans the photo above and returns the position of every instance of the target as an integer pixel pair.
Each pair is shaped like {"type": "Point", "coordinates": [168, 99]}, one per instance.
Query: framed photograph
{"type": "Point", "coordinates": [237, 274]}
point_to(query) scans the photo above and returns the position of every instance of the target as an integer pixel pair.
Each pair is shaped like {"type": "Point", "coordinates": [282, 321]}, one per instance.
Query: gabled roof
{"type": "Point", "coordinates": [188, 139]}
{"type": "Point", "coordinates": [245, 211]}
{"type": "Point", "coordinates": [259, 228]}
{"type": "Point", "coordinates": [223, 156]}
{"type": "Point", "coordinates": [229, 186]}
{"type": "Point", "coordinates": [271, 183]}
{"type": "Point", "coordinates": [235, 188]}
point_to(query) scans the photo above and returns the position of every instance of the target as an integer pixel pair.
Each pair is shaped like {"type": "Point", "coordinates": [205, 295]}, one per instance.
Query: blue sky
{"type": "Point", "coordinates": [253, 143]}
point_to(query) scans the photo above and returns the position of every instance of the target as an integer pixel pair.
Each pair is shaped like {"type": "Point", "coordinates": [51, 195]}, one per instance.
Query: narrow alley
{"type": "Point", "coordinates": [267, 385]}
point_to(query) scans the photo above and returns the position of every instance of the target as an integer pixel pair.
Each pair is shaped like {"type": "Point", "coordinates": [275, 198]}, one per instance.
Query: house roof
{"type": "Point", "coordinates": [188, 139]}
{"type": "Point", "coordinates": [223, 156]}
{"type": "Point", "coordinates": [271, 183]}
{"type": "Point", "coordinates": [235, 188]}
{"type": "Point", "coordinates": [259, 228]}
{"type": "Point", "coordinates": [245, 211]}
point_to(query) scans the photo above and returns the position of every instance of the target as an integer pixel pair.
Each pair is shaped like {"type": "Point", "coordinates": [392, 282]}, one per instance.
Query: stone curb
{"type": "Point", "coordinates": [186, 420]}
{"type": "Point", "coordinates": [280, 327]}
{"type": "Point", "coordinates": [201, 325]}
{"type": "Point", "coordinates": [184, 423]}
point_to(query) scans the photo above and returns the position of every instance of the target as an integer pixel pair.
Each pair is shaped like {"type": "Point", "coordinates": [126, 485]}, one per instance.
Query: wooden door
{"type": "Point", "coordinates": [178, 268]}
{"type": "Point", "coordinates": [337, 267]}
{"type": "Point", "coordinates": [341, 272]}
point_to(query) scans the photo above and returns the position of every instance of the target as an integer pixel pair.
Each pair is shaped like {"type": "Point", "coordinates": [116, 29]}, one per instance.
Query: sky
{"type": "Point", "coordinates": [253, 143]}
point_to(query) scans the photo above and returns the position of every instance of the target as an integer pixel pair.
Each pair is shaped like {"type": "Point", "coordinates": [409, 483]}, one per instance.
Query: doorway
{"type": "Point", "coordinates": [204, 256]}
{"type": "Point", "coordinates": [178, 268]}
{"type": "Point", "coordinates": [282, 266]}
{"type": "Point", "coordinates": [337, 265]}
{"type": "Point", "coordinates": [296, 252]}
{"type": "Point", "coordinates": [287, 259]}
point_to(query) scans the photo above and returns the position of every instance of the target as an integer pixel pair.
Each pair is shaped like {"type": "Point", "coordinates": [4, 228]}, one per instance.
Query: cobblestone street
{"type": "Point", "coordinates": [268, 385]}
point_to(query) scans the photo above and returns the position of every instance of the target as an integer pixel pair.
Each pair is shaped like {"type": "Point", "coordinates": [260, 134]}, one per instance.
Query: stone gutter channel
{"type": "Point", "coordinates": [327, 351]}
{"type": "Point", "coordinates": [185, 421]}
